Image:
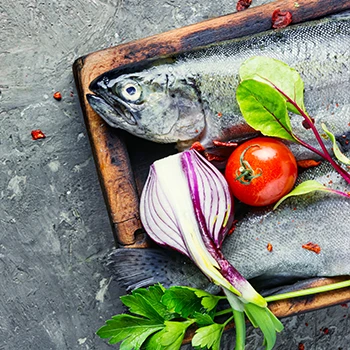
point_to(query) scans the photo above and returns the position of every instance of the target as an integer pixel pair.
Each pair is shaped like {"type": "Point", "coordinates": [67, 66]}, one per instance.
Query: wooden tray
{"type": "Point", "coordinates": [123, 161]}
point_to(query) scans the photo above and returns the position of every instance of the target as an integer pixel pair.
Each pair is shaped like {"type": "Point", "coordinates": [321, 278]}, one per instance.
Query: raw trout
{"type": "Point", "coordinates": [320, 218]}
{"type": "Point", "coordinates": [191, 96]}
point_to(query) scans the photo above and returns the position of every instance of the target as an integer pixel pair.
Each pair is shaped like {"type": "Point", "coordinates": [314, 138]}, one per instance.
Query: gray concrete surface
{"type": "Point", "coordinates": [54, 230]}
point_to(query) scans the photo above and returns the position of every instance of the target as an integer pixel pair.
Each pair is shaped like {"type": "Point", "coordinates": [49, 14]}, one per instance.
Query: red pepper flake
{"type": "Point", "coordinates": [306, 324]}
{"type": "Point", "coordinates": [308, 163]}
{"type": "Point", "coordinates": [224, 144]}
{"type": "Point", "coordinates": [281, 19]}
{"type": "Point", "coordinates": [197, 146]}
{"type": "Point", "coordinates": [243, 4]}
{"type": "Point", "coordinates": [337, 104]}
{"type": "Point", "coordinates": [57, 96]}
{"type": "Point", "coordinates": [346, 142]}
{"type": "Point", "coordinates": [344, 305]}
{"type": "Point", "coordinates": [213, 157]}
{"type": "Point", "coordinates": [71, 94]}
{"type": "Point", "coordinates": [312, 247]}
{"type": "Point", "coordinates": [233, 227]}
{"type": "Point", "coordinates": [269, 247]}
{"type": "Point", "coordinates": [219, 114]}
{"type": "Point", "coordinates": [301, 346]}
{"type": "Point", "coordinates": [37, 134]}
{"type": "Point", "coordinates": [325, 330]}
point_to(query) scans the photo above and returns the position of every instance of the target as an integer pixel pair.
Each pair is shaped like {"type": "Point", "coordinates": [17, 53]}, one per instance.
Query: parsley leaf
{"type": "Point", "coordinates": [134, 330]}
{"type": "Point", "coordinates": [169, 338]}
{"type": "Point", "coordinates": [208, 337]}
{"type": "Point", "coordinates": [186, 301]}
{"type": "Point", "coordinates": [147, 302]}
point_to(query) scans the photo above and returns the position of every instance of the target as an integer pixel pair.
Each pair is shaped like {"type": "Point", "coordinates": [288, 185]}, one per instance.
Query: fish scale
{"type": "Point", "coordinates": [191, 96]}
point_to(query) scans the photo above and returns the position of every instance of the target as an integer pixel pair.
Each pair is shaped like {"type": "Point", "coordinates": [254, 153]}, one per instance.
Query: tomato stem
{"type": "Point", "coordinates": [245, 174]}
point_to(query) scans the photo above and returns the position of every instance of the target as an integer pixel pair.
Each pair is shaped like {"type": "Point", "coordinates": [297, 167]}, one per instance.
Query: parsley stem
{"type": "Point", "coordinates": [239, 320]}
{"type": "Point", "coordinates": [301, 293]}
{"type": "Point", "coordinates": [223, 312]}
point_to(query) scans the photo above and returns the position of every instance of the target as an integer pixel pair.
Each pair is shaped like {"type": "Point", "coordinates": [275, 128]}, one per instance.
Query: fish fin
{"type": "Point", "coordinates": [136, 268]}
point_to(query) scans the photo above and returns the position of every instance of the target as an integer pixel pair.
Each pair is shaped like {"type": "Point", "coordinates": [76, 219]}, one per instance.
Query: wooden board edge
{"type": "Point", "coordinates": [114, 172]}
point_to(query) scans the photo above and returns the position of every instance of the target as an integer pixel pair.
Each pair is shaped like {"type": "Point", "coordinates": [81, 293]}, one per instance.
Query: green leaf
{"type": "Point", "coordinates": [132, 329]}
{"type": "Point", "coordinates": [209, 301]}
{"type": "Point", "coordinates": [203, 319]}
{"type": "Point", "coordinates": [264, 319]}
{"type": "Point", "coordinates": [304, 188]}
{"type": "Point", "coordinates": [208, 337]}
{"type": "Point", "coordinates": [182, 300]}
{"type": "Point", "coordinates": [278, 73]}
{"type": "Point", "coordinates": [264, 109]}
{"type": "Point", "coordinates": [147, 302]}
{"type": "Point", "coordinates": [169, 338]}
{"type": "Point", "coordinates": [337, 152]}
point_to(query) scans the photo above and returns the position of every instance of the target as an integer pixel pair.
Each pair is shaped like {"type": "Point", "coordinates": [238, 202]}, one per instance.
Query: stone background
{"type": "Point", "coordinates": [54, 230]}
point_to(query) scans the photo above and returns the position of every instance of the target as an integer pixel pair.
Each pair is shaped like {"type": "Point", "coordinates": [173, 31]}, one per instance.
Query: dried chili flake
{"type": "Point", "coordinates": [301, 346]}
{"type": "Point", "coordinates": [243, 4]}
{"type": "Point", "coordinates": [224, 144]}
{"type": "Point", "coordinates": [344, 305]}
{"type": "Point", "coordinates": [219, 114]}
{"type": "Point", "coordinates": [57, 96]}
{"type": "Point", "coordinates": [269, 247]}
{"type": "Point", "coordinates": [281, 19]}
{"type": "Point", "coordinates": [308, 163]}
{"type": "Point", "coordinates": [233, 227]}
{"type": "Point", "coordinates": [197, 146]}
{"type": "Point", "coordinates": [312, 247]}
{"type": "Point", "coordinates": [213, 157]}
{"type": "Point", "coordinates": [325, 330]}
{"type": "Point", "coordinates": [37, 134]}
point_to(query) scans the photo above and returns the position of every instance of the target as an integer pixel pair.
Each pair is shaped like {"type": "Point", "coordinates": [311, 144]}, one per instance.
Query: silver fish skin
{"type": "Point", "coordinates": [319, 217]}
{"type": "Point", "coordinates": [191, 96]}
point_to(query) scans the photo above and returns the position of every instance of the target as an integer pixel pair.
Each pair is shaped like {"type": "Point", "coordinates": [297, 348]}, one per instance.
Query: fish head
{"type": "Point", "coordinates": [152, 104]}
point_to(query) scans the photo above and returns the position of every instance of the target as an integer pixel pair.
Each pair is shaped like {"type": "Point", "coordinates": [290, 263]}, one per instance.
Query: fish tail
{"type": "Point", "coordinates": [141, 268]}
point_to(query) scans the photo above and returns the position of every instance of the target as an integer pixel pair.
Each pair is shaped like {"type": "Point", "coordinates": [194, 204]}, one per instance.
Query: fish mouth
{"type": "Point", "coordinates": [112, 109]}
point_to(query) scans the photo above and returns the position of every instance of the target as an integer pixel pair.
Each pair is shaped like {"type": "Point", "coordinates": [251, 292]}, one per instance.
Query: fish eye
{"type": "Point", "coordinates": [131, 91]}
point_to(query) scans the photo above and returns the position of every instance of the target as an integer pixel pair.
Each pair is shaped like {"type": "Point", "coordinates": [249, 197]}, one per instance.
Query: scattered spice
{"type": "Point", "coordinates": [308, 163]}
{"type": "Point", "coordinates": [233, 227]}
{"type": "Point", "coordinates": [344, 305]}
{"type": "Point", "coordinates": [213, 157]}
{"type": "Point", "coordinates": [197, 146]}
{"type": "Point", "coordinates": [219, 114]}
{"type": "Point", "coordinates": [281, 19]}
{"type": "Point", "coordinates": [306, 324]}
{"type": "Point", "coordinates": [57, 96]}
{"type": "Point", "coordinates": [325, 330]}
{"type": "Point", "coordinates": [312, 247]}
{"type": "Point", "coordinates": [37, 134]}
{"type": "Point", "coordinates": [301, 346]}
{"type": "Point", "coordinates": [269, 247]}
{"type": "Point", "coordinates": [243, 4]}
{"type": "Point", "coordinates": [224, 144]}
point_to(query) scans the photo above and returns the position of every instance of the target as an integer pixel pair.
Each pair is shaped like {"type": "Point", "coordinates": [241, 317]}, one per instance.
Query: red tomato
{"type": "Point", "coordinates": [261, 171]}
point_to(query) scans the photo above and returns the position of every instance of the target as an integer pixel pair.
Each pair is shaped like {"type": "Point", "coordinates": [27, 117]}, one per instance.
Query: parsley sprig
{"type": "Point", "coordinates": [160, 317]}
